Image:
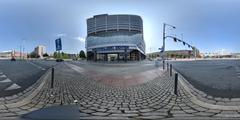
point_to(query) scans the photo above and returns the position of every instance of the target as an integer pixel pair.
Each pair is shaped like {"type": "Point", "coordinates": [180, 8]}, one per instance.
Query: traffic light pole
{"type": "Point", "coordinates": [163, 47]}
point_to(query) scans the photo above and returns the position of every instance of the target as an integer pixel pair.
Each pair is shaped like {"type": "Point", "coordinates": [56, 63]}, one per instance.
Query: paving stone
{"type": "Point", "coordinates": [146, 110]}
{"type": "Point", "coordinates": [150, 117]}
{"type": "Point", "coordinates": [100, 113]}
{"type": "Point", "coordinates": [203, 113]}
{"type": "Point", "coordinates": [87, 111]}
{"type": "Point", "coordinates": [151, 100]}
{"type": "Point", "coordinates": [125, 115]}
{"type": "Point", "coordinates": [154, 114]}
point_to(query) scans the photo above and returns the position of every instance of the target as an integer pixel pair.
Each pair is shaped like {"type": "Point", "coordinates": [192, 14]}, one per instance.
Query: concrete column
{"type": "Point", "coordinates": [125, 54]}
{"type": "Point", "coordinates": [95, 56]}
{"type": "Point", "coordinates": [105, 57]}
{"type": "Point", "coordinates": [118, 57]}
{"type": "Point", "coordinates": [139, 56]}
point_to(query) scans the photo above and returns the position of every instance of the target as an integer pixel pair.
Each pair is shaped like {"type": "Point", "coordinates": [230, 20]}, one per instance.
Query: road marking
{"type": "Point", "coordinates": [13, 87]}
{"type": "Point", "coordinates": [36, 66]}
{"type": "Point", "coordinates": [6, 80]}
{"type": "Point", "coordinates": [3, 76]}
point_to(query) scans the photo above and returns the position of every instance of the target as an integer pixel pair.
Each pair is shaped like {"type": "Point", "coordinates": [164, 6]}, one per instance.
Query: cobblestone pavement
{"type": "Point", "coordinates": [151, 100]}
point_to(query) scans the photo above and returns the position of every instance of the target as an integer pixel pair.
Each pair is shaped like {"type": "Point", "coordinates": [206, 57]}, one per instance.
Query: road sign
{"type": "Point", "coordinates": [161, 49]}
{"type": "Point", "coordinates": [58, 44]}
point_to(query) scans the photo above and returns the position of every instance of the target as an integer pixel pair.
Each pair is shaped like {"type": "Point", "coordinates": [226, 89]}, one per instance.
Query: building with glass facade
{"type": "Point", "coordinates": [115, 38]}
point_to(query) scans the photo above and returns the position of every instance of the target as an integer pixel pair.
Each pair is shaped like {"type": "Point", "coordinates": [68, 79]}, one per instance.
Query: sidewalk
{"type": "Point", "coordinates": [151, 100]}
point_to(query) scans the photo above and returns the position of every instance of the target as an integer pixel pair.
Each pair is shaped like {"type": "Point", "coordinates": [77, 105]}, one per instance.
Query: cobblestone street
{"type": "Point", "coordinates": [153, 99]}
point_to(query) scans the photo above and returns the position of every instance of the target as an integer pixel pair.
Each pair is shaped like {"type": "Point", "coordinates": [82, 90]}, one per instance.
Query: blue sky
{"type": "Point", "coordinates": [209, 25]}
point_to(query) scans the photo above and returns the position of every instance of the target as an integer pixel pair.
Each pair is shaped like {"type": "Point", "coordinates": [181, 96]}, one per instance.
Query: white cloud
{"type": "Point", "coordinates": [81, 39]}
{"type": "Point", "coordinates": [60, 34]}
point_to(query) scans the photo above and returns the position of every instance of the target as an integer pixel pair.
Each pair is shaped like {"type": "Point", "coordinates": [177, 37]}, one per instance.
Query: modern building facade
{"type": "Point", "coordinates": [40, 50]}
{"type": "Point", "coordinates": [115, 38]}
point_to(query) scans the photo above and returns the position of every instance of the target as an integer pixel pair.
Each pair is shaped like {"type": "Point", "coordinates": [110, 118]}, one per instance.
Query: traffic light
{"type": "Point", "coordinates": [175, 39]}
{"type": "Point", "coordinates": [184, 43]}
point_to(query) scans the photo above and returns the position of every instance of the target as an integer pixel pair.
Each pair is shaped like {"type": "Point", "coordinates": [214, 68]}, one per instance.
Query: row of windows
{"type": "Point", "coordinates": [136, 39]}
{"type": "Point", "coordinates": [106, 22]}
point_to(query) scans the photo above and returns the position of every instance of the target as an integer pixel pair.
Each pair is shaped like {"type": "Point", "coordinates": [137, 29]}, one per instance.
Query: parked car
{"type": "Point", "coordinates": [13, 59]}
{"type": "Point", "coordinates": [59, 60]}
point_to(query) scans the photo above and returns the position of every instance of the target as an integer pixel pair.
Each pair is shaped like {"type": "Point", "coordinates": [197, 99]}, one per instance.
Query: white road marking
{"type": "Point", "coordinates": [13, 87]}
{"type": "Point", "coordinates": [36, 66]}
{"type": "Point", "coordinates": [3, 76]}
{"type": "Point", "coordinates": [6, 80]}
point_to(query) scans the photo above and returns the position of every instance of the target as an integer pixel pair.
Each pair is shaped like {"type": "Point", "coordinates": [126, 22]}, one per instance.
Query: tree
{"type": "Point", "coordinates": [55, 54]}
{"type": "Point", "coordinates": [82, 54]}
{"type": "Point", "coordinates": [45, 55]}
{"type": "Point", "coordinates": [33, 55]}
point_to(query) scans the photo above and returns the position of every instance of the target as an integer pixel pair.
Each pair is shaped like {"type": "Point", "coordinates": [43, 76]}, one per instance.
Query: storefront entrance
{"type": "Point", "coordinates": [112, 57]}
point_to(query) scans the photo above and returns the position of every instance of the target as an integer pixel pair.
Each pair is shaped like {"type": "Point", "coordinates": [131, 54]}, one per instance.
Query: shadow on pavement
{"type": "Point", "coordinates": [65, 112]}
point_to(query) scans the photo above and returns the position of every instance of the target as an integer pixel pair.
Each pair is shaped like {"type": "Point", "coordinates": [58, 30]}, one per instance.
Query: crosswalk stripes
{"type": "Point", "coordinates": [6, 80]}
{"type": "Point", "coordinates": [3, 76]}
{"type": "Point", "coordinates": [13, 87]}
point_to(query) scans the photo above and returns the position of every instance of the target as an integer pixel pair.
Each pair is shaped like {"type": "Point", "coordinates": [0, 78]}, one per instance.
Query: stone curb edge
{"type": "Point", "coordinates": [196, 100]}
{"type": "Point", "coordinates": [30, 96]}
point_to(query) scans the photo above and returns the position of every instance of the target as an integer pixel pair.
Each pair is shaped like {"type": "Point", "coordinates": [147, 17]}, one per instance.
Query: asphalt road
{"type": "Point", "coordinates": [16, 76]}
{"type": "Point", "coordinates": [219, 78]}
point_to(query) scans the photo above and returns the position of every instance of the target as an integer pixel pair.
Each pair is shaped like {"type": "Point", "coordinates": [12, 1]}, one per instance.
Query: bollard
{"type": "Point", "coordinates": [176, 84]}
{"type": "Point", "coordinates": [163, 64]}
{"type": "Point", "coordinates": [52, 78]}
{"type": "Point", "coordinates": [170, 69]}
{"type": "Point", "coordinates": [167, 66]}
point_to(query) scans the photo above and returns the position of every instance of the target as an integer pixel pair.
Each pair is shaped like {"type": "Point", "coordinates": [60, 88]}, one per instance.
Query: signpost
{"type": "Point", "coordinates": [58, 43]}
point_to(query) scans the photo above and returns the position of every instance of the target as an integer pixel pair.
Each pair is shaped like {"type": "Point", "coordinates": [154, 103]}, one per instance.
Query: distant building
{"type": "Point", "coordinates": [12, 54]}
{"type": "Point", "coordinates": [236, 55]}
{"type": "Point", "coordinates": [175, 54]}
{"type": "Point", "coordinates": [40, 50]}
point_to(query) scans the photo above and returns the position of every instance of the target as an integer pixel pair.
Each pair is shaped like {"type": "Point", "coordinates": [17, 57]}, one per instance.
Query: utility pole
{"type": "Point", "coordinates": [163, 47]}
{"type": "Point", "coordinates": [195, 52]}
{"type": "Point", "coordinates": [164, 37]}
{"type": "Point", "coordinates": [20, 52]}
{"type": "Point", "coordinates": [23, 52]}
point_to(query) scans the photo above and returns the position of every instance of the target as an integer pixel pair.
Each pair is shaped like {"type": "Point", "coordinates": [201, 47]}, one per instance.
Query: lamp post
{"type": "Point", "coordinates": [164, 35]}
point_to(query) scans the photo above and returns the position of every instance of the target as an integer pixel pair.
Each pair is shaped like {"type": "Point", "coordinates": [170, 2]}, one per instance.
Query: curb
{"type": "Point", "coordinates": [29, 96]}
{"type": "Point", "coordinates": [195, 96]}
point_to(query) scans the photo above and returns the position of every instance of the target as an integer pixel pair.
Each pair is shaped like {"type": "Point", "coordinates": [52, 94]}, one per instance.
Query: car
{"type": "Point", "coordinates": [13, 59]}
{"type": "Point", "coordinates": [59, 60]}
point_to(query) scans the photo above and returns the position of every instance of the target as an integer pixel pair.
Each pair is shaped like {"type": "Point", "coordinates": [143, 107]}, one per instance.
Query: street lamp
{"type": "Point", "coordinates": [164, 35]}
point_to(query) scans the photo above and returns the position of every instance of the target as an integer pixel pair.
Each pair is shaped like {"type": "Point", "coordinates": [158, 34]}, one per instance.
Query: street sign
{"type": "Point", "coordinates": [161, 49]}
{"type": "Point", "coordinates": [58, 44]}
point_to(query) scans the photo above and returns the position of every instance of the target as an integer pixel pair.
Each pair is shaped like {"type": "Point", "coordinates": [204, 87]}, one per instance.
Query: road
{"type": "Point", "coordinates": [219, 78]}
{"type": "Point", "coordinates": [16, 76]}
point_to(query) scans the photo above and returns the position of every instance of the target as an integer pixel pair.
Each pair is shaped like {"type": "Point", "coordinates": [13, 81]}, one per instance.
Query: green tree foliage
{"type": "Point", "coordinates": [45, 55]}
{"type": "Point", "coordinates": [82, 54]}
{"type": "Point", "coordinates": [55, 55]}
{"type": "Point", "coordinates": [33, 55]}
